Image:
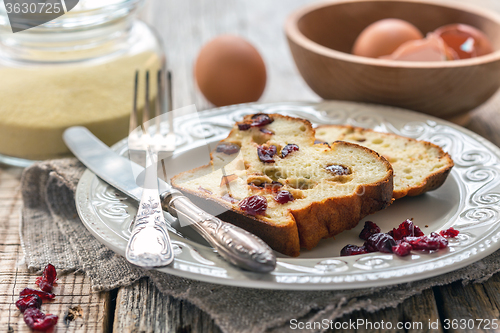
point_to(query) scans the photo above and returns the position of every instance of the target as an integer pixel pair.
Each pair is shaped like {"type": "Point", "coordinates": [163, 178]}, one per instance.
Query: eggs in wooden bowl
{"type": "Point", "coordinates": [321, 37]}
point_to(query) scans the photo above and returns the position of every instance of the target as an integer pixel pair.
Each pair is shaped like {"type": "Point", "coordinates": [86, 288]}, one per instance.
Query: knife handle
{"type": "Point", "coordinates": [234, 244]}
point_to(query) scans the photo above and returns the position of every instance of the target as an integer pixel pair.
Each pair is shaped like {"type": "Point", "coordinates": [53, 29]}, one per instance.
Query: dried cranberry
{"type": "Point", "coordinates": [254, 205]}
{"type": "Point", "coordinates": [351, 250]}
{"type": "Point", "coordinates": [261, 119]}
{"type": "Point", "coordinates": [28, 301]}
{"type": "Point", "coordinates": [369, 229]}
{"type": "Point", "coordinates": [227, 148]}
{"type": "Point", "coordinates": [288, 149]}
{"type": "Point", "coordinates": [244, 126]}
{"type": "Point", "coordinates": [46, 281]}
{"type": "Point", "coordinates": [380, 242]}
{"type": "Point", "coordinates": [449, 233]}
{"type": "Point", "coordinates": [431, 242]}
{"type": "Point", "coordinates": [402, 249]}
{"type": "Point", "coordinates": [41, 294]}
{"type": "Point", "coordinates": [266, 131]}
{"type": "Point", "coordinates": [37, 320]}
{"type": "Point", "coordinates": [406, 229]}
{"type": "Point", "coordinates": [338, 170]}
{"type": "Point", "coordinates": [266, 153]}
{"type": "Point", "coordinates": [283, 197]}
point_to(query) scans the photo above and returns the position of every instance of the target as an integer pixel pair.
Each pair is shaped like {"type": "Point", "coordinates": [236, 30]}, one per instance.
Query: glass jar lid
{"type": "Point", "coordinates": [86, 14]}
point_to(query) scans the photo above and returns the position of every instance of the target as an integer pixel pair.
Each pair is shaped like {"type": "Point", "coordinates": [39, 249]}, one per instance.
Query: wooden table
{"type": "Point", "coordinates": [185, 26]}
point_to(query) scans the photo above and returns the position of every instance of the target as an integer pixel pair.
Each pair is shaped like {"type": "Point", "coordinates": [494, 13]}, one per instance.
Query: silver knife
{"type": "Point", "coordinates": [234, 244]}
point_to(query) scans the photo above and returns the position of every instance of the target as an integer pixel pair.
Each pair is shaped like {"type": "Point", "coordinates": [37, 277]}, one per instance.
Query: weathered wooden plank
{"type": "Point", "coordinates": [142, 308]}
{"type": "Point", "coordinates": [461, 307]}
{"type": "Point", "coordinates": [73, 290]}
{"type": "Point", "coordinates": [413, 315]}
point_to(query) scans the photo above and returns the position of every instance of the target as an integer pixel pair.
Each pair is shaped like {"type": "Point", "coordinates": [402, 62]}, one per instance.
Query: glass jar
{"type": "Point", "coordinates": [75, 70]}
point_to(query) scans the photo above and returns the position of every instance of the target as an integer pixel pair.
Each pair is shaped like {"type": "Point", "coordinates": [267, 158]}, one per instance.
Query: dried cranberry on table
{"type": "Point", "coordinates": [46, 281]}
{"type": "Point", "coordinates": [28, 301]}
{"type": "Point", "coordinates": [351, 250]}
{"type": "Point", "coordinates": [402, 249]}
{"type": "Point", "coordinates": [266, 153]}
{"type": "Point", "coordinates": [430, 242]}
{"type": "Point", "coordinates": [406, 229]}
{"type": "Point", "coordinates": [380, 242]}
{"type": "Point", "coordinates": [283, 197]}
{"type": "Point", "coordinates": [39, 293]}
{"type": "Point", "coordinates": [254, 205]}
{"type": "Point", "coordinates": [449, 233]}
{"type": "Point", "coordinates": [227, 148]}
{"type": "Point", "coordinates": [369, 229]}
{"type": "Point", "coordinates": [37, 320]}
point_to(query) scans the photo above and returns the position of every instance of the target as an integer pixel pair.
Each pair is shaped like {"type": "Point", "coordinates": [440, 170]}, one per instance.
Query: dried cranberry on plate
{"type": "Point", "coordinates": [406, 229]}
{"type": "Point", "coordinates": [369, 229]}
{"type": "Point", "coordinates": [430, 242]}
{"type": "Point", "coordinates": [380, 242]}
{"type": "Point", "coordinates": [402, 249]}
{"type": "Point", "coordinates": [449, 233]}
{"type": "Point", "coordinates": [351, 250]}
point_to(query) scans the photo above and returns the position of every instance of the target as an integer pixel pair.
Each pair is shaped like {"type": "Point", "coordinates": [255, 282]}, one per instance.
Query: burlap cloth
{"type": "Point", "coordinates": [51, 232]}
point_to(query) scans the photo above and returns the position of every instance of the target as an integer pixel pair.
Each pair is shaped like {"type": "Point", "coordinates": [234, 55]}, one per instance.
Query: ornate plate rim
{"type": "Point", "coordinates": [220, 272]}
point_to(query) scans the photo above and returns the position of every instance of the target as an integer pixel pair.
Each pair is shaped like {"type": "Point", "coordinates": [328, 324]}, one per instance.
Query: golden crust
{"type": "Point", "coordinates": [431, 182]}
{"type": "Point", "coordinates": [308, 225]}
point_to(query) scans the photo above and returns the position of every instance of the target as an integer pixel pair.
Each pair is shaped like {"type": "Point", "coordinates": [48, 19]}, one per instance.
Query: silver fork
{"type": "Point", "coordinates": [149, 244]}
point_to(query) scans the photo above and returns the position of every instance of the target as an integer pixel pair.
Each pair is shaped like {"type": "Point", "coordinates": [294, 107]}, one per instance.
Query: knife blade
{"type": "Point", "coordinates": [234, 244]}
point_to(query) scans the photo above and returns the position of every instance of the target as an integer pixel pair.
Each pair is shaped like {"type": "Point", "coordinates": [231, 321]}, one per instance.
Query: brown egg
{"type": "Point", "coordinates": [384, 37]}
{"type": "Point", "coordinates": [465, 40]}
{"type": "Point", "coordinates": [229, 70]}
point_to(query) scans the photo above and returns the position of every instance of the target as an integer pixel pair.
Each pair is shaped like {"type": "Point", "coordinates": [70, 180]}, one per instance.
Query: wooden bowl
{"type": "Point", "coordinates": [321, 37]}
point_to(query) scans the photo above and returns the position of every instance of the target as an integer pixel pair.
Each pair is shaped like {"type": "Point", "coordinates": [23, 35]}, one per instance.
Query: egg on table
{"type": "Point", "coordinates": [230, 70]}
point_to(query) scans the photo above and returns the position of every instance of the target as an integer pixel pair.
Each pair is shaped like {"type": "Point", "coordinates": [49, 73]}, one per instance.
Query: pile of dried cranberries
{"type": "Point", "coordinates": [400, 240]}
{"type": "Point", "coordinates": [30, 301]}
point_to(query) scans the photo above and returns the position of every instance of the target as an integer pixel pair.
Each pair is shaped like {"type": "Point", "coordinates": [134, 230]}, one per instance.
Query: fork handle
{"type": "Point", "coordinates": [149, 244]}
{"type": "Point", "coordinates": [234, 244]}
